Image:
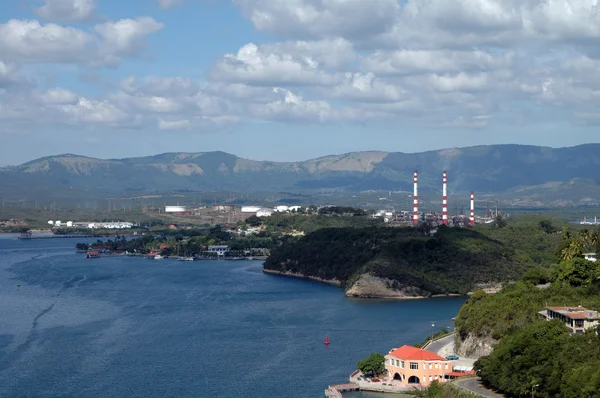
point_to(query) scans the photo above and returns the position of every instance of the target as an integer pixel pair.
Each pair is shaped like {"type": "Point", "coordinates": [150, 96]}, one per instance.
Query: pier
{"type": "Point", "coordinates": [336, 390]}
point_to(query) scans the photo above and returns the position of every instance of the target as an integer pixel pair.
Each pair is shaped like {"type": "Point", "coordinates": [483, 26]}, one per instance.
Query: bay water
{"type": "Point", "coordinates": [131, 327]}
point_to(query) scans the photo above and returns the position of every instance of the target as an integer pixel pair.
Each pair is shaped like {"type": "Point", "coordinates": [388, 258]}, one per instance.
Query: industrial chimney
{"type": "Point", "coordinates": [415, 200]}
{"type": "Point", "coordinates": [444, 199]}
{"type": "Point", "coordinates": [472, 216]}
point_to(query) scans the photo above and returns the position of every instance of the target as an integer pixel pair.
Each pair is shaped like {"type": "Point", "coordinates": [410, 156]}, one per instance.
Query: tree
{"type": "Point", "coordinates": [578, 272]}
{"type": "Point", "coordinates": [373, 364]}
{"type": "Point", "coordinates": [253, 221]}
{"type": "Point", "coordinates": [546, 226]}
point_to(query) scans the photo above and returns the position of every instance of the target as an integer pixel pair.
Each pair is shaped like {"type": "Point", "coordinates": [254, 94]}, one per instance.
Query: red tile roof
{"type": "Point", "coordinates": [409, 352]}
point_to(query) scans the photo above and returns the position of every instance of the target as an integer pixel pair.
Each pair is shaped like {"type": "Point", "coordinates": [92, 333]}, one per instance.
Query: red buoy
{"type": "Point", "coordinates": [326, 340]}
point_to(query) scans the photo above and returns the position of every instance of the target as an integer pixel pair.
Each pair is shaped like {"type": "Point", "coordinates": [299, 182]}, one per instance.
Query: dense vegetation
{"type": "Point", "coordinates": [543, 357]}
{"type": "Point", "coordinates": [454, 260]}
{"type": "Point", "coordinates": [373, 364]}
{"type": "Point", "coordinates": [531, 352]}
{"type": "Point", "coordinates": [332, 217]}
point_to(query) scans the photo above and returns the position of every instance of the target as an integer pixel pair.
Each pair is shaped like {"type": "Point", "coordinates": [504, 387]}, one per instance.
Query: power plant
{"type": "Point", "coordinates": [434, 217]}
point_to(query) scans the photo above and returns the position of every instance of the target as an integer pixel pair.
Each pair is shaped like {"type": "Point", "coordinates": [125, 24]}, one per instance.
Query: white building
{"type": "Point", "coordinates": [110, 225]}
{"type": "Point", "coordinates": [282, 209]}
{"type": "Point", "coordinates": [219, 249]}
{"type": "Point", "coordinates": [250, 209]}
{"type": "Point", "coordinates": [295, 208]}
{"type": "Point", "coordinates": [264, 212]}
{"type": "Point", "coordinates": [175, 209]}
{"type": "Point", "coordinates": [590, 256]}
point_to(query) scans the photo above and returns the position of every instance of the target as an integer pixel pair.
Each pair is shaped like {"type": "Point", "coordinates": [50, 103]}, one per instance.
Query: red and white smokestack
{"type": "Point", "coordinates": [444, 199]}
{"type": "Point", "coordinates": [415, 200]}
{"type": "Point", "coordinates": [472, 217]}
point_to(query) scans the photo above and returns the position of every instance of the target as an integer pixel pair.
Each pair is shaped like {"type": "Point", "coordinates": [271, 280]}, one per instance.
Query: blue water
{"type": "Point", "coordinates": [131, 327]}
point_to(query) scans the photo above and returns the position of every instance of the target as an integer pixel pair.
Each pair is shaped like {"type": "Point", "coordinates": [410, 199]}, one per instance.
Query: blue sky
{"type": "Point", "coordinates": [294, 79]}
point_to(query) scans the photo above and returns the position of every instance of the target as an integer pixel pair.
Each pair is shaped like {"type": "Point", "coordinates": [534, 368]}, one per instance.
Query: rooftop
{"type": "Point", "coordinates": [578, 312]}
{"type": "Point", "coordinates": [413, 353]}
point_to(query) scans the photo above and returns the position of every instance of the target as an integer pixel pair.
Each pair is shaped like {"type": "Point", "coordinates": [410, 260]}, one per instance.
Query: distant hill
{"type": "Point", "coordinates": [485, 169]}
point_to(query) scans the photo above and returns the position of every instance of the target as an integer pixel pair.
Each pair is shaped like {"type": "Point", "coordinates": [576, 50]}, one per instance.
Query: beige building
{"type": "Point", "coordinates": [415, 367]}
{"type": "Point", "coordinates": [577, 319]}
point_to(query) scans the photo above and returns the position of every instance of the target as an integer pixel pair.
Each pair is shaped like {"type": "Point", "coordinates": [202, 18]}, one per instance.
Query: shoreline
{"type": "Point", "coordinates": [336, 283]}
{"type": "Point", "coordinates": [433, 296]}
{"type": "Point", "coordinates": [331, 282]}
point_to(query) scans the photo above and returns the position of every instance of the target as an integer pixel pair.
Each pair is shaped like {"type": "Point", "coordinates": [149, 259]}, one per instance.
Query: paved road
{"type": "Point", "coordinates": [474, 385]}
{"type": "Point", "coordinates": [437, 345]}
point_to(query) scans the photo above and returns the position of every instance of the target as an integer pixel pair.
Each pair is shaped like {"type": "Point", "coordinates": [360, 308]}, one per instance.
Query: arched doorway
{"type": "Point", "coordinates": [397, 376]}
{"type": "Point", "coordinates": [414, 380]}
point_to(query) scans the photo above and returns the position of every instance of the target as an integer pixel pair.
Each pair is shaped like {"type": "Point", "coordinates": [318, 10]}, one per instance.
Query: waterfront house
{"type": "Point", "coordinates": [414, 367]}
{"type": "Point", "coordinates": [576, 319]}
{"type": "Point", "coordinates": [219, 249]}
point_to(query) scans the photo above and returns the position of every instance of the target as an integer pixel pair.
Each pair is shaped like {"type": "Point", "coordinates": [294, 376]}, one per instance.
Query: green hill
{"type": "Point", "coordinates": [453, 261]}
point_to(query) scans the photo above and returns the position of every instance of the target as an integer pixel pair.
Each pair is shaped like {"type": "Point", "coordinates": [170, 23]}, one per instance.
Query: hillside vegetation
{"type": "Point", "coordinates": [452, 261]}
{"type": "Point", "coordinates": [530, 353]}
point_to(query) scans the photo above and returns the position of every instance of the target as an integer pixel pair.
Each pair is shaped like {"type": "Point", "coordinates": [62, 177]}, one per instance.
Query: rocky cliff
{"type": "Point", "coordinates": [475, 346]}
{"type": "Point", "coordinates": [369, 286]}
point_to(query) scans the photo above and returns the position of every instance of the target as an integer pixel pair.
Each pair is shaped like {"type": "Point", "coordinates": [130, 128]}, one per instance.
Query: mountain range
{"type": "Point", "coordinates": [484, 169]}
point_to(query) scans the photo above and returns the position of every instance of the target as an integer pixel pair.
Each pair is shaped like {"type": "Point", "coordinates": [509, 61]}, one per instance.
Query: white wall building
{"type": "Point", "coordinates": [282, 208]}
{"type": "Point", "coordinates": [250, 209]}
{"type": "Point", "coordinates": [175, 209]}
{"type": "Point", "coordinates": [219, 249]}
{"type": "Point", "coordinates": [590, 256]}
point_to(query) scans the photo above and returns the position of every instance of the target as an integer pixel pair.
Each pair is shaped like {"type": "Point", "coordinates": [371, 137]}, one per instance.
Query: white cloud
{"type": "Point", "coordinates": [58, 96]}
{"type": "Point", "coordinates": [173, 124]}
{"type": "Point", "coordinates": [443, 63]}
{"type": "Point", "coordinates": [320, 18]}
{"type": "Point", "coordinates": [125, 36]}
{"type": "Point", "coordinates": [263, 66]}
{"type": "Point", "coordinates": [367, 88]}
{"type": "Point", "coordinates": [67, 10]}
{"type": "Point", "coordinates": [31, 42]}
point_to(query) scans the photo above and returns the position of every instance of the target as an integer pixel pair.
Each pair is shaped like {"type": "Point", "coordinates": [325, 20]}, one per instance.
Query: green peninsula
{"type": "Point", "coordinates": [381, 262]}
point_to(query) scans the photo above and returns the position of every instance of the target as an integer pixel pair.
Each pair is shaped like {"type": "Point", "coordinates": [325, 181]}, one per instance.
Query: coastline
{"type": "Point", "coordinates": [337, 283]}
{"type": "Point", "coordinates": [383, 297]}
{"type": "Point", "coordinates": [332, 282]}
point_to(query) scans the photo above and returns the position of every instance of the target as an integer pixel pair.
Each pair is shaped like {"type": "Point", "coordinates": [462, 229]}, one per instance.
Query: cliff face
{"type": "Point", "coordinates": [475, 346]}
{"type": "Point", "coordinates": [369, 286]}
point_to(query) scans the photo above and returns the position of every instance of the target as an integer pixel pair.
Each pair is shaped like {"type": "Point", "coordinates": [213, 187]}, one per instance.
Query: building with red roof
{"type": "Point", "coordinates": [415, 367]}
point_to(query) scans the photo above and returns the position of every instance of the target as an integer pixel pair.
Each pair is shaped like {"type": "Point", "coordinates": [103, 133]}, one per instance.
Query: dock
{"type": "Point", "coordinates": [336, 390]}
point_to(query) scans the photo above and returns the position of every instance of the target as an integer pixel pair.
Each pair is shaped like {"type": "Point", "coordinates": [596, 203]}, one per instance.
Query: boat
{"type": "Point", "coordinates": [158, 257]}
{"type": "Point", "coordinates": [186, 259]}
{"type": "Point", "coordinates": [326, 340]}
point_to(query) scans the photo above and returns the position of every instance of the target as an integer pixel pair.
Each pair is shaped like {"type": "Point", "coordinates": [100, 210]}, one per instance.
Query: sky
{"type": "Point", "coordinates": [290, 80]}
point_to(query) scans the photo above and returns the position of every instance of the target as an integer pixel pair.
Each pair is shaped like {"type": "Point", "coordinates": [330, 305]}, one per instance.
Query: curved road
{"type": "Point", "coordinates": [437, 345]}
{"type": "Point", "coordinates": [471, 384]}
